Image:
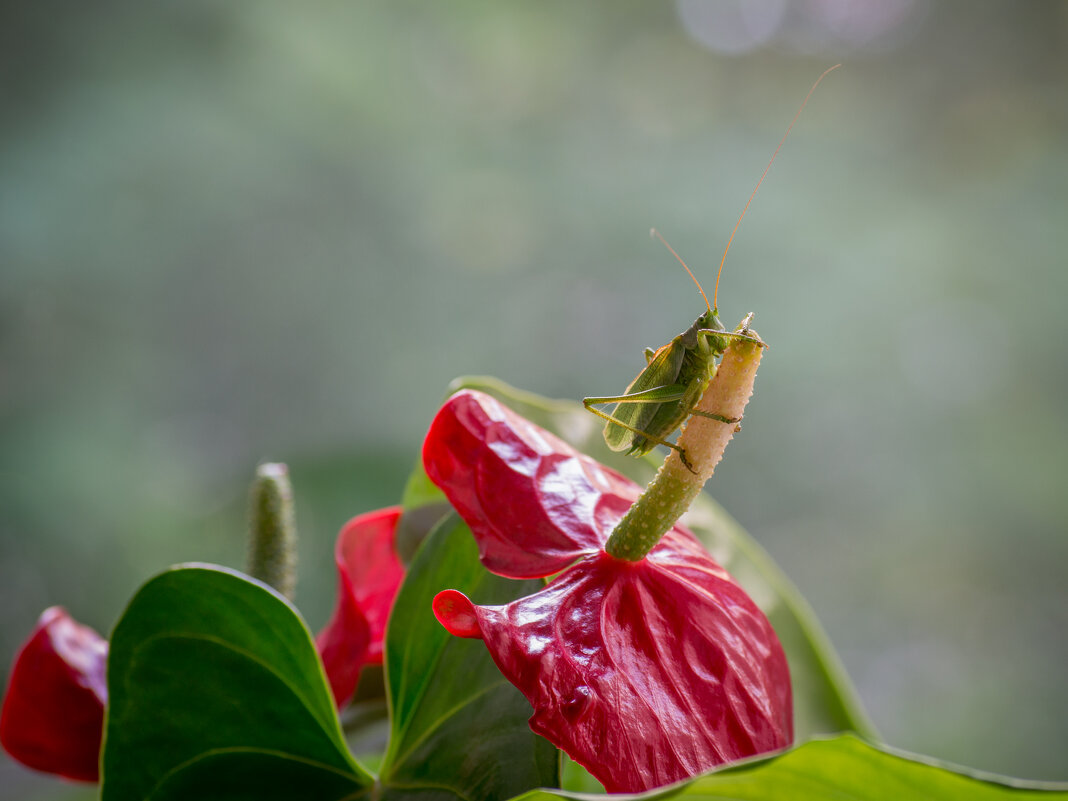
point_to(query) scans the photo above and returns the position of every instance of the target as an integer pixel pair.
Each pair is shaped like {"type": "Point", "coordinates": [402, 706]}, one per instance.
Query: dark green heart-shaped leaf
{"type": "Point", "coordinates": [843, 768]}
{"type": "Point", "coordinates": [825, 701]}
{"type": "Point", "coordinates": [459, 729]}
{"type": "Point", "coordinates": [216, 691]}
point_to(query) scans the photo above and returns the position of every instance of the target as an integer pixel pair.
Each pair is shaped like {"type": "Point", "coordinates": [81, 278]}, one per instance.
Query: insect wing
{"type": "Point", "coordinates": [662, 371]}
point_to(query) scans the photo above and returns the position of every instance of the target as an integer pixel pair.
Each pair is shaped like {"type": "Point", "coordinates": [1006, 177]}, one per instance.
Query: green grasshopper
{"type": "Point", "coordinates": [664, 395]}
{"type": "Point", "coordinates": [676, 375]}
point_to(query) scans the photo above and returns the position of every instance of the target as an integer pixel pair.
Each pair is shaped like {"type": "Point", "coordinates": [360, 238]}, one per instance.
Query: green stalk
{"type": "Point", "coordinates": [272, 540]}
{"type": "Point", "coordinates": [675, 485]}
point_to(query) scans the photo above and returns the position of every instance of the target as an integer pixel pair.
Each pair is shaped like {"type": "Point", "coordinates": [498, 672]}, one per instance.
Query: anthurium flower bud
{"type": "Point", "coordinates": [645, 672]}
{"type": "Point", "coordinates": [369, 574]}
{"type": "Point", "coordinates": [53, 713]}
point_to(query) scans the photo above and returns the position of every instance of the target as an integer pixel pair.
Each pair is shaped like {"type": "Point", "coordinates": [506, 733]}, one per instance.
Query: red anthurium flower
{"type": "Point", "coordinates": [53, 713]}
{"type": "Point", "coordinates": [369, 574]}
{"type": "Point", "coordinates": [645, 672]}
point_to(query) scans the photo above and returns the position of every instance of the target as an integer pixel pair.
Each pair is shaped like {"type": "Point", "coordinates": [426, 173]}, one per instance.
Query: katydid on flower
{"type": "Point", "coordinates": [664, 394]}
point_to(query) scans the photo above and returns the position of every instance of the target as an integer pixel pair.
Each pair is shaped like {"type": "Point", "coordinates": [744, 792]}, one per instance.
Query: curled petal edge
{"type": "Point", "coordinates": [457, 614]}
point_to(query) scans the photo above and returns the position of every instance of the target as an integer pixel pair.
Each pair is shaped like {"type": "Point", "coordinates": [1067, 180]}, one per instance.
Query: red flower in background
{"type": "Point", "coordinates": [369, 574]}
{"type": "Point", "coordinates": [53, 713]}
{"type": "Point", "coordinates": [645, 672]}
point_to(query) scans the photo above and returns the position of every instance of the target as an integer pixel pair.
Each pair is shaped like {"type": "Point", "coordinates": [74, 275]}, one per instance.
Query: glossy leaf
{"type": "Point", "coordinates": [645, 672]}
{"type": "Point", "coordinates": [369, 574]}
{"type": "Point", "coordinates": [844, 768]}
{"type": "Point", "coordinates": [825, 700]}
{"type": "Point", "coordinates": [459, 729]}
{"type": "Point", "coordinates": [213, 676]}
{"type": "Point", "coordinates": [53, 713]}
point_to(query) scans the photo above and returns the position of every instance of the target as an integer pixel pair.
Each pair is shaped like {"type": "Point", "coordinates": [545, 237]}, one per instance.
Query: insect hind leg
{"type": "Point", "coordinates": [588, 404]}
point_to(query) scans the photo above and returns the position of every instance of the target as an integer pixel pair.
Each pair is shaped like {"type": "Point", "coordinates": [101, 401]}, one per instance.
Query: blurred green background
{"type": "Point", "coordinates": [239, 232]}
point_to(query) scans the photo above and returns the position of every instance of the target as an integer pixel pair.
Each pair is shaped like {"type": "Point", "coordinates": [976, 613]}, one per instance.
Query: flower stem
{"type": "Point", "coordinates": [703, 440]}
{"type": "Point", "coordinates": [272, 541]}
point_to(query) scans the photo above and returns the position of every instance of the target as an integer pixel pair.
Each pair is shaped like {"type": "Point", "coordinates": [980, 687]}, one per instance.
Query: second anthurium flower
{"type": "Point", "coordinates": [369, 574]}
{"type": "Point", "coordinates": [53, 711]}
{"type": "Point", "coordinates": [645, 672]}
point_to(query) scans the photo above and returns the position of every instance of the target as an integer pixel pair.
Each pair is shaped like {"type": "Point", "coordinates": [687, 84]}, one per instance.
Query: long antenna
{"type": "Point", "coordinates": [715, 293]}
{"type": "Point", "coordinates": [654, 232]}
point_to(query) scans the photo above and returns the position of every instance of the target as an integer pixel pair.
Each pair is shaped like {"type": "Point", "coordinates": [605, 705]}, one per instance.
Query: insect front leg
{"type": "Point", "coordinates": [743, 334]}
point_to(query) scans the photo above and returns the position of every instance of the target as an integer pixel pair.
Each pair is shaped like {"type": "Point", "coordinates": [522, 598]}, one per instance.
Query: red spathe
{"type": "Point", "coordinates": [53, 713]}
{"type": "Point", "coordinates": [369, 574]}
{"type": "Point", "coordinates": [644, 672]}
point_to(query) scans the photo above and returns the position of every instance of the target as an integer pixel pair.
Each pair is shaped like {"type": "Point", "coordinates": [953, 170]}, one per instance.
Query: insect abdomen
{"type": "Point", "coordinates": [669, 416]}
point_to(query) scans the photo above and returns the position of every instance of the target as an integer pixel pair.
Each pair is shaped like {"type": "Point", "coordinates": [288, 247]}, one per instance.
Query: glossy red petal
{"type": "Point", "coordinates": [53, 712]}
{"type": "Point", "coordinates": [534, 503]}
{"type": "Point", "coordinates": [646, 672]}
{"type": "Point", "coordinates": [369, 574]}
{"type": "Point", "coordinates": [457, 614]}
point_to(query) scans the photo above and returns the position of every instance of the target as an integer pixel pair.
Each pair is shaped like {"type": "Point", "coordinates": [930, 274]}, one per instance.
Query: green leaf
{"type": "Point", "coordinates": [459, 729]}
{"type": "Point", "coordinates": [825, 701]}
{"type": "Point", "coordinates": [216, 691]}
{"type": "Point", "coordinates": [843, 768]}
